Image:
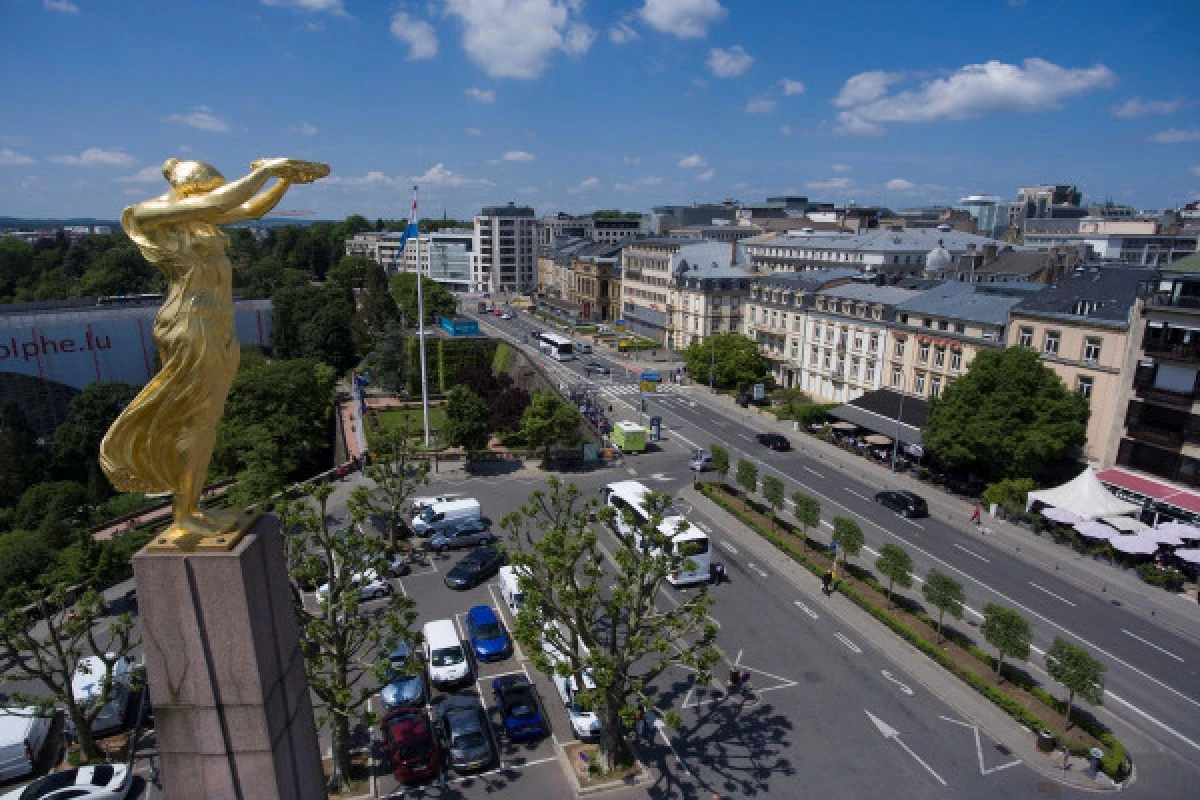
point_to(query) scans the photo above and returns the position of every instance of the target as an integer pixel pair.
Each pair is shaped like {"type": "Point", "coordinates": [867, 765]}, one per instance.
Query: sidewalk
{"type": "Point", "coordinates": [1097, 576]}
{"type": "Point", "coordinates": [973, 706]}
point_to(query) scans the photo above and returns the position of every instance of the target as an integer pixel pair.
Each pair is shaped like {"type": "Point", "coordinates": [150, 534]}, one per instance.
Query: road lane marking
{"type": "Point", "coordinates": [1052, 594]}
{"type": "Point", "coordinates": [891, 733]}
{"type": "Point", "coordinates": [806, 609]}
{"type": "Point", "coordinates": [729, 547]}
{"type": "Point", "coordinates": [971, 552]}
{"type": "Point", "coordinates": [1152, 644]}
{"type": "Point", "coordinates": [813, 471]}
{"type": "Point", "coordinates": [849, 644]}
{"type": "Point", "coordinates": [903, 687]}
{"type": "Point", "coordinates": [758, 570]}
{"type": "Point", "coordinates": [984, 771]}
{"type": "Point", "coordinates": [661, 727]}
{"type": "Point", "coordinates": [858, 494]}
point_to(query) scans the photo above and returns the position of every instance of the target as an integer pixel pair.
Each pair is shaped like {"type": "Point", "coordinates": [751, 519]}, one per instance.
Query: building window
{"type": "Point", "coordinates": [829, 334]}
{"type": "Point", "coordinates": [939, 356]}
{"type": "Point", "coordinates": [919, 386]}
{"type": "Point", "coordinates": [870, 376]}
{"type": "Point", "coordinates": [935, 387]}
{"type": "Point", "coordinates": [943, 325]}
{"type": "Point", "coordinates": [854, 369]}
{"type": "Point", "coordinates": [1050, 346]}
{"type": "Point", "coordinates": [858, 340]}
{"type": "Point", "coordinates": [923, 353]}
{"type": "Point", "coordinates": [874, 342]}
{"type": "Point", "coordinates": [1091, 350]}
{"type": "Point", "coordinates": [826, 360]}
{"type": "Point", "coordinates": [814, 355]}
{"type": "Point", "coordinates": [960, 328]}
{"type": "Point", "coordinates": [798, 325]}
{"type": "Point", "coordinates": [817, 331]}
{"type": "Point", "coordinates": [753, 315]}
{"type": "Point", "coordinates": [927, 322]}
{"type": "Point", "coordinates": [904, 319]}
{"type": "Point", "coordinates": [899, 348]}
{"type": "Point", "coordinates": [795, 349]}
{"type": "Point", "coordinates": [1083, 385]}
{"type": "Point", "coordinates": [955, 360]}
{"type": "Point", "coordinates": [896, 377]}
{"type": "Point", "coordinates": [1025, 337]}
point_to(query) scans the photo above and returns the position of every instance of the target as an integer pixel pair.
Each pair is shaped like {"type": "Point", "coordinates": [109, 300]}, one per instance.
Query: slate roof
{"type": "Point", "coordinates": [883, 240]}
{"type": "Point", "coordinates": [870, 293]}
{"type": "Point", "coordinates": [1100, 293]}
{"type": "Point", "coordinates": [962, 301]}
{"type": "Point", "coordinates": [807, 280]}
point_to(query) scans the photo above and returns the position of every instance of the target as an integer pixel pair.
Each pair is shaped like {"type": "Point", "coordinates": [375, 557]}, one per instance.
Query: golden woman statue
{"type": "Point", "coordinates": [164, 439]}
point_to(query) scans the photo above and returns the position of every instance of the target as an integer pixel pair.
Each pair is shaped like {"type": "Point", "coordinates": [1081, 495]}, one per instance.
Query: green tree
{"type": "Point", "coordinates": [747, 477]}
{"type": "Point", "coordinates": [1010, 494]}
{"type": "Point", "coordinates": [773, 493]}
{"type": "Point", "coordinates": [377, 309]}
{"type": "Point", "coordinates": [352, 271]}
{"type": "Point", "coordinates": [896, 565]}
{"type": "Point", "coordinates": [395, 475]}
{"type": "Point", "coordinates": [602, 617]}
{"type": "Point", "coordinates": [55, 509]}
{"type": "Point", "coordinates": [720, 460]}
{"type": "Point", "coordinates": [1074, 668]}
{"type": "Point", "coordinates": [44, 642]}
{"type": "Point", "coordinates": [77, 440]}
{"type": "Point", "coordinates": [347, 649]}
{"type": "Point", "coordinates": [315, 322]}
{"type": "Point", "coordinates": [1008, 416]}
{"type": "Point", "coordinates": [388, 360]}
{"type": "Point", "coordinates": [466, 421]}
{"type": "Point", "coordinates": [1007, 631]}
{"type": "Point", "coordinates": [848, 537]}
{"type": "Point", "coordinates": [549, 420]}
{"type": "Point", "coordinates": [945, 594]}
{"type": "Point", "coordinates": [808, 513]}
{"type": "Point", "coordinates": [24, 555]}
{"type": "Point", "coordinates": [16, 266]}
{"type": "Point", "coordinates": [439, 302]}
{"type": "Point", "coordinates": [734, 358]}
{"type": "Point", "coordinates": [21, 460]}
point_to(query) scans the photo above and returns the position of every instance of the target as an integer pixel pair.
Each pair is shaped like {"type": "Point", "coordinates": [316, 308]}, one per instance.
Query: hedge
{"type": "Point", "coordinates": [1171, 581]}
{"type": "Point", "coordinates": [1114, 763]}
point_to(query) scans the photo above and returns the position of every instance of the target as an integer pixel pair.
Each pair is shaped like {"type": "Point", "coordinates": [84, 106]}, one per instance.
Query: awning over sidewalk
{"type": "Point", "coordinates": [1145, 488]}
{"type": "Point", "coordinates": [880, 412]}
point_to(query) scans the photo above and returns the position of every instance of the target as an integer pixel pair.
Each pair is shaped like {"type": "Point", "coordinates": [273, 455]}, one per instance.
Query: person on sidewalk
{"type": "Point", "coordinates": [975, 515]}
{"type": "Point", "coordinates": [826, 582]}
{"type": "Point", "coordinates": [640, 721]}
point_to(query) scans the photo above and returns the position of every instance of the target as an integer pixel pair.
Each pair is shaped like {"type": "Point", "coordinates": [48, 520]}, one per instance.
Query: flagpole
{"type": "Point", "coordinates": [421, 325]}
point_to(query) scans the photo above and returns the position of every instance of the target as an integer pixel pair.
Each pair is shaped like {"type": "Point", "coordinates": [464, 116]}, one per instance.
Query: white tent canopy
{"type": "Point", "coordinates": [1085, 496]}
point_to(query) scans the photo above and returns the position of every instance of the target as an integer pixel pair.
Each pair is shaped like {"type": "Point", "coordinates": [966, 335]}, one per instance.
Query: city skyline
{"type": "Point", "coordinates": [571, 105]}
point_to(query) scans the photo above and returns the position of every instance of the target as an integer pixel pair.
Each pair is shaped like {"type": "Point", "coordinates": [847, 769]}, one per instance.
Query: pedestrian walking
{"type": "Point", "coordinates": [826, 582]}
{"type": "Point", "coordinates": [975, 515]}
{"type": "Point", "coordinates": [640, 721]}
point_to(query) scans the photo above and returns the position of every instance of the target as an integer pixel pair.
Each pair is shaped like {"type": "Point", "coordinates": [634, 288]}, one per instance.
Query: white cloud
{"type": "Point", "coordinates": [791, 87]}
{"type": "Point", "coordinates": [96, 157]}
{"type": "Point", "coordinates": [687, 19]}
{"type": "Point", "coordinates": [832, 183]}
{"type": "Point", "coordinates": [585, 185]}
{"type": "Point", "coordinates": [519, 156]}
{"type": "Point", "coordinates": [899, 185]}
{"type": "Point", "coordinates": [481, 95]}
{"type": "Point", "coordinates": [61, 6]}
{"type": "Point", "coordinates": [474, 132]}
{"type": "Point", "coordinates": [527, 190]}
{"type": "Point", "coordinates": [201, 118]}
{"type": "Point", "coordinates": [785, 130]}
{"type": "Point", "coordinates": [622, 33]}
{"type": "Point", "coordinates": [334, 7]}
{"type": "Point", "coordinates": [417, 34]}
{"type": "Point", "coordinates": [649, 180]}
{"type": "Point", "coordinates": [707, 175]}
{"type": "Point", "coordinates": [148, 174]}
{"type": "Point", "coordinates": [372, 180]}
{"type": "Point", "coordinates": [1176, 136]}
{"type": "Point", "coordinates": [11, 158]}
{"type": "Point", "coordinates": [306, 128]}
{"type": "Point", "coordinates": [971, 91]}
{"type": "Point", "coordinates": [1137, 107]}
{"type": "Point", "coordinates": [438, 175]}
{"type": "Point", "coordinates": [841, 167]}
{"type": "Point", "coordinates": [694, 161]}
{"type": "Point", "coordinates": [633, 160]}
{"type": "Point", "coordinates": [516, 38]}
{"type": "Point", "coordinates": [760, 105]}
{"type": "Point", "coordinates": [729, 63]}
{"type": "Point", "coordinates": [1196, 170]}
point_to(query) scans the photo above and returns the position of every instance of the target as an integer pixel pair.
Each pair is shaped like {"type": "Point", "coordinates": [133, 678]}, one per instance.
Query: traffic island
{"type": "Point", "coordinates": [583, 770]}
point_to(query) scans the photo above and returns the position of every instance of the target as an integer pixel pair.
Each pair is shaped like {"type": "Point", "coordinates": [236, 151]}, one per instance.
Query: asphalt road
{"type": "Point", "coordinates": [1152, 681]}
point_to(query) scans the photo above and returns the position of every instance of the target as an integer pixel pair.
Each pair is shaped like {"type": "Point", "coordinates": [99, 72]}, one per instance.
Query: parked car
{"type": "Point", "coordinates": [597, 368]}
{"type": "Point", "coordinates": [406, 683]}
{"type": "Point", "coordinates": [398, 565]}
{"type": "Point", "coordinates": [99, 782]}
{"type": "Point", "coordinates": [370, 586]}
{"type": "Point", "coordinates": [907, 504]}
{"type": "Point", "coordinates": [535, 334]}
{"type": "Point", "coordinates": [463, 534]}
{"type": "Point", "coordinates": [411, 743]}
{"type": "Point", "coordinates": [775, 441]}
{"type": "Point", "coordinates": [584, 722]}
{"type": "Point", "coordinates": [466, 733]}
{"type": "Point", "coordinates": [24, 732]}
{"type": "Point", "coordinates": [489, 640]}
{"type": "Point", "coordinates": [419, 504]}
{"type": "Point", "coordinates": [474, 568]}
{"type": "Point", "coordinates": [520, 708]}
{"type": "Point", "coordinates": [443, 516]}
{"type": "Point", "coordinates": [444, 652]}
{"type": "Point", "coordinates": [508, 315]}
{"type": "Point", "coordinates": [584, 348]}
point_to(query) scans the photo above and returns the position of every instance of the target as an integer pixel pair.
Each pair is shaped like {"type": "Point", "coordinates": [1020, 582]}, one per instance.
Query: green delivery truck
{"type": "Point", "coordinates": [629, 437]}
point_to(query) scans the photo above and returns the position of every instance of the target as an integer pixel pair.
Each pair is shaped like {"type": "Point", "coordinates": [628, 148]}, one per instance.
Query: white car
{"type": "Point", "coordinates": [100, 782]}
{"type": "Point", "coordinates": [586, 724]}
{"type": "Point", "coordinates": [507, 315]}
{"type": "Point", "coordinates": [370, 587]}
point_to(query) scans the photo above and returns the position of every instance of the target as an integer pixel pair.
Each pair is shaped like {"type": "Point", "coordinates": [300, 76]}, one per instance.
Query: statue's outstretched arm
{"type": "Point", "coordinates": [258, 206]}
{"type": "Point", "coordinates": [205, 207]}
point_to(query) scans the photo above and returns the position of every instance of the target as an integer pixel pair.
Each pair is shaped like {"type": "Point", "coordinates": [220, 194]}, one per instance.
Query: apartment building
{"type": "Point", "coordinates": [504, 258]}
{"type": "Point", "coordinates": [1142, 242]}
{"type": "Point", "coordinates": [594, 283]}
{"type": "Point", "coordinates": [559, 226]}
{"type": "Point", "coordinates": [992, 264]}
{"type": "Point", "coordinates": [444, 256]}
{"type": "Point", "coordinates": [1085, 329]}
{"type": "Point", "coordinates": [382, 247]}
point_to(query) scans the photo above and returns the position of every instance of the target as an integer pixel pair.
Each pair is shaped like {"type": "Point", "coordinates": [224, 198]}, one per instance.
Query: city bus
{"type": "Point", "coordinates": [691, 542]}
{"type": "Point", "coordinates": [557, 347]}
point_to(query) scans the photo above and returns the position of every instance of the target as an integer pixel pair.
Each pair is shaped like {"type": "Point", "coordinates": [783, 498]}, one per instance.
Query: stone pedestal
{"type": "Point", "coordinates": [232, 710]}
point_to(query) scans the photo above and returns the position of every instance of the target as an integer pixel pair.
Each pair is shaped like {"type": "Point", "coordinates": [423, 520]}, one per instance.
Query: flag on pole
{"type": "Point", "coordinates": [410, 231]}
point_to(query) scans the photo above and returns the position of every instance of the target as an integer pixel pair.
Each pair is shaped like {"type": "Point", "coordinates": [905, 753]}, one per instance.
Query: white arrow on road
{"type": "Point", "coordinates": [891, 733]}
{"type": "Point", "coordinates": [902, 686]}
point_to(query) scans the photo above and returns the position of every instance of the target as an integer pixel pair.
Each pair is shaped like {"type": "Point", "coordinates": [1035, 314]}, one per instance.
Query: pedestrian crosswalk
{"type": "Point", "coordinates": [628, 389]}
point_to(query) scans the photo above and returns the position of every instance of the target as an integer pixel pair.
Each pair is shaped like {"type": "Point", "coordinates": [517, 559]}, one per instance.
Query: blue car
{"type": "Point", "coordinates": [406, 685]}
{"type": "Point", "coordinates": [488, 638]}
{"type": "Point", "coordinates": [520, 708]}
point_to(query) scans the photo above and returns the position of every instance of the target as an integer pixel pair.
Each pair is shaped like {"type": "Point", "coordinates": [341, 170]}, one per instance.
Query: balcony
{"type": "Point", "coordinates": [1175, 351]}
{"type": "Point", "coordinates": [1185, 301]}
{"type": "Point", "coordinates": [1164, 397]}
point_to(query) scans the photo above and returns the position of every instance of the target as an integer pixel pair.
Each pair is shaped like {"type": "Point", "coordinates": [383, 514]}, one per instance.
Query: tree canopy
{"type": "Point", "coordinates": [550, 420]}
{"type": "Point", "coordinates": [747, 475]}
{"type": "Point", "coordinates": [75, 455]}
{"type": "Point", "coordinates": [848, 537]}
{"type": "Point", "coordinates": [466, 420]}
{"type": "Point", "coordinates": [439, 302]}
{"type": "Point", "coordinates": [1007, 631]}
{"type": "Point", "coordinates": [945, 594]}
{"type": "Point", "coordinates": [735, 360]}
{"type": "Point", "coordinates": [1007, 417]}
{"type": "Point", "coordinates": [896, 565]}
{"type": "Point", "coordinates": [1078, 672]}
{"type": "Point", "coordinates": [720, 460]}
{"type": "Point", "coordinates": [315, 322]}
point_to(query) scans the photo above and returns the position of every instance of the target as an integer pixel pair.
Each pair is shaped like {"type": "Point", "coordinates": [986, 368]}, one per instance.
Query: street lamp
{"type": "Point", "coordinates": [712, 364]}
{"type": "Point", "coordinates": [899, 416]}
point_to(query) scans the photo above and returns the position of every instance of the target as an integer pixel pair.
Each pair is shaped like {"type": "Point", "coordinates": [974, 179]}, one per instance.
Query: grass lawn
{"type": "Point", "coordinates": [397, 417]}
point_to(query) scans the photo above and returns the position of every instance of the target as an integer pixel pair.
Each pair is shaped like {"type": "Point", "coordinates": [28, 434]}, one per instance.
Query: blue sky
{"type": "Point", "coordinates": [581, 104]}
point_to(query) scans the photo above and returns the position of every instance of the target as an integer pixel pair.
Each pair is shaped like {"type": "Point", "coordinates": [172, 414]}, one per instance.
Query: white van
{"type": "Point", "coordinates": [443, 515]}
{"type": "Point", "coordinates": [23, 735]}
{"type": "Point", "coordinates": [421, 503]}
{"type": "Point", "coordinates": [86, 687]}
{"type": "Point", "coordinates": [510, 590]}
{"type": "Point", "coordinates": [586, 724]}
{"type": "Point", "coordinates": [445, 654]}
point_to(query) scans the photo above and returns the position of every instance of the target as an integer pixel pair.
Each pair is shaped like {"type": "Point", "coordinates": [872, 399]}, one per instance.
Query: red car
{"type": "Point", "coordinates": [411, 743]}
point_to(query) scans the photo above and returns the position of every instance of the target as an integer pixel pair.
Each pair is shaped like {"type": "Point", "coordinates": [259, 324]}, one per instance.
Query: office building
{"type": "Point", "coordinates": [991, 214]}
{"type": "Point", "coordinates": [503, 249]}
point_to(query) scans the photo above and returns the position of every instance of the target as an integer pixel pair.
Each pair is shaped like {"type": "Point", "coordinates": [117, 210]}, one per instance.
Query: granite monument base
{"type": "Point", "coordinates": [232, 711]}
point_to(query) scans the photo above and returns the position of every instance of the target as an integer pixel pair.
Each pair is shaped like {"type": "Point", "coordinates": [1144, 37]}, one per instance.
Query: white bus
{"type": "Point", "coordinates": [691, 543]}
{"type": "Point", "coordinates": [557, 347]}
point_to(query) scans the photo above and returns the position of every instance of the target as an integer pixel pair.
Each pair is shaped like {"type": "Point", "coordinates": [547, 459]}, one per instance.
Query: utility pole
{"type": "Point", "coordinates": [421, 323]}
{"type": "Point", "coordinates": [899, 416]}
{"type": "Point", "coordinates": [712, 364]}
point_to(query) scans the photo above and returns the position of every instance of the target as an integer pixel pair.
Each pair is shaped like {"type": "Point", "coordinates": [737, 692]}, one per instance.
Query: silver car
{"type": "Point", "coordinates": [466, 733]}
{"type": "Point", "coordinates": [464, 534]}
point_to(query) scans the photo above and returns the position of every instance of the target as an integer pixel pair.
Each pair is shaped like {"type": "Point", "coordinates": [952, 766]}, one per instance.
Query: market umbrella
{"type": "Point", "coordinates": [1061, 515]}
{"type": "Point", "coordinates": [1092, 529]}
{"type": "Point", "coordinates": [877, 438]}
{"type": "Point", "coordinates": [1162, 537]}
{"type": "Point", "coordinates": [1126, 524]}
{"type": "Point", "coordinates": [1134, 544]}
{"type": "Point", "coordinates": [1192, 555]}
{"type": "Point", "coordinates": [1180, 529]}
{"type": "Point", "coordinates": [844, 426]}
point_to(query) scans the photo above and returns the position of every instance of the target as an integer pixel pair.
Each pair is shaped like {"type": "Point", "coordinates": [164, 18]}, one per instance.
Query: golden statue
{"type": "Point", "coordinates": [163, 441]}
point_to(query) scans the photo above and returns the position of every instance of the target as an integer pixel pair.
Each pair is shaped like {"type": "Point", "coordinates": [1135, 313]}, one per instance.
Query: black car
{"type": "Point", "coordinates": [904, 503]}
{"type": "Point", "coordinates": [474, 568]}
{"type": "Point", "coordinates": [775, 441]}
{"type": "Point", "coordinates": [596, 367]}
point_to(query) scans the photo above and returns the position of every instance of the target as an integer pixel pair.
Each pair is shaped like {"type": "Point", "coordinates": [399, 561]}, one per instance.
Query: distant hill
{"type": "Point", "coordinates": [21, 223]}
